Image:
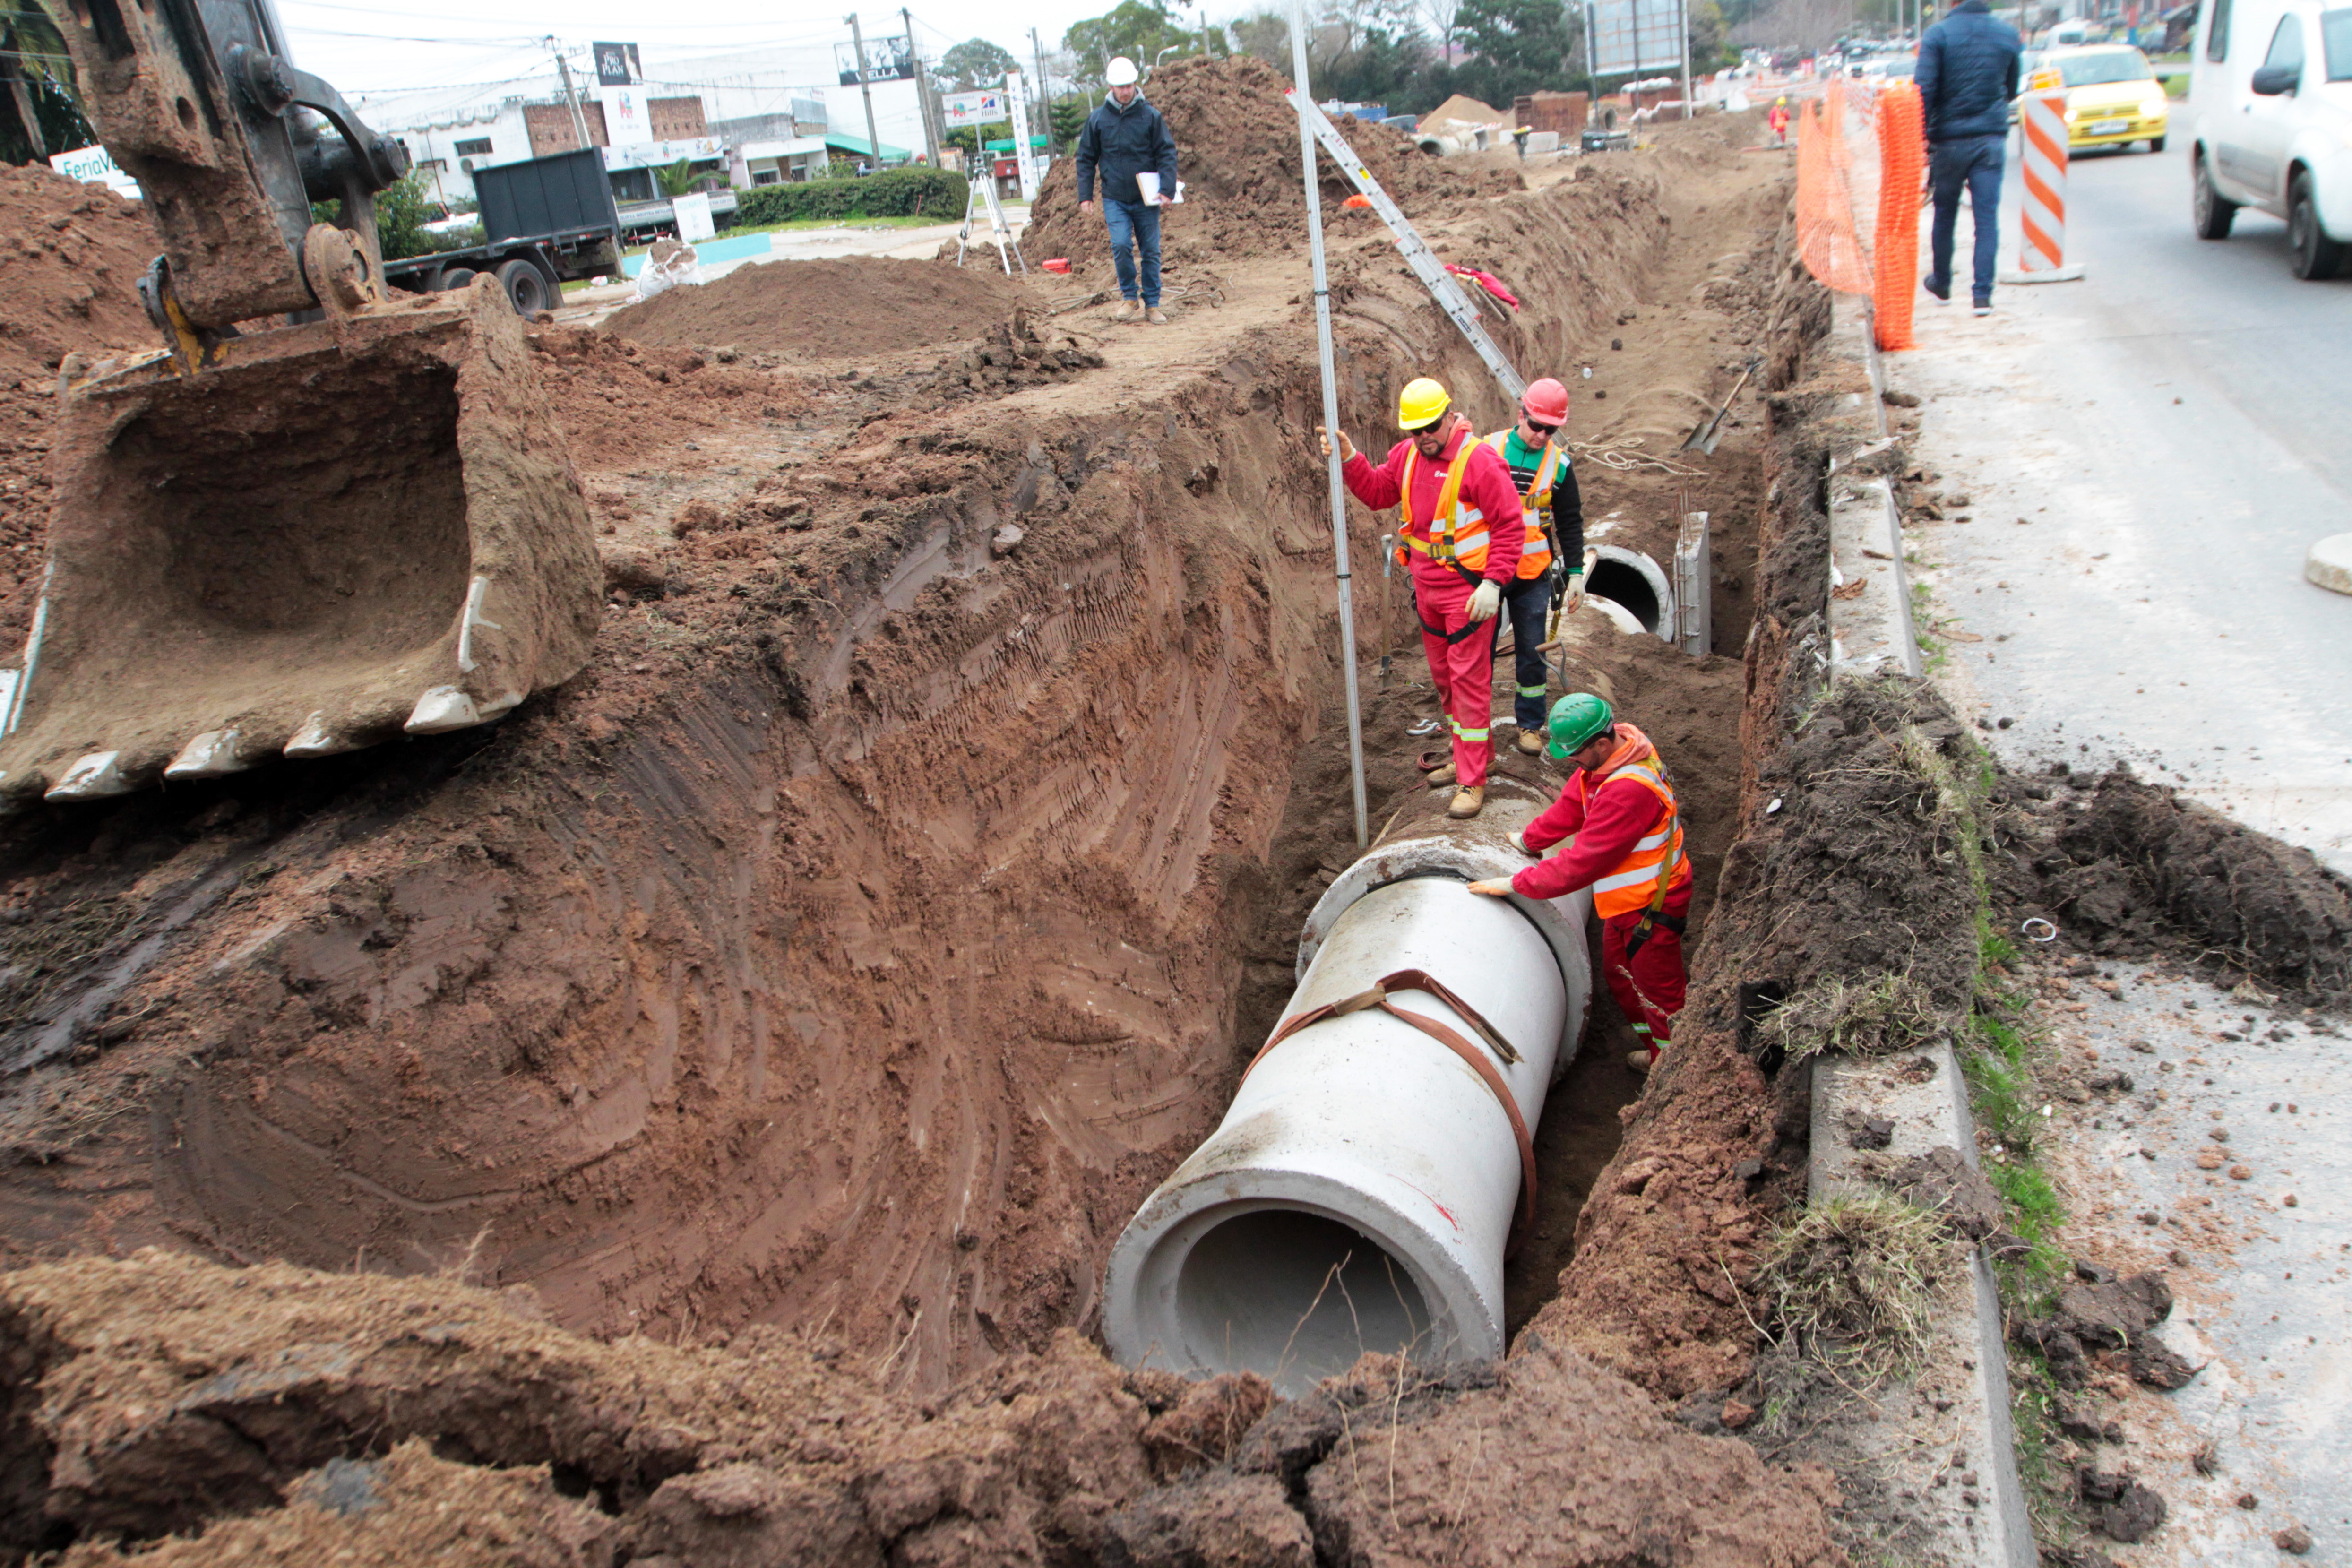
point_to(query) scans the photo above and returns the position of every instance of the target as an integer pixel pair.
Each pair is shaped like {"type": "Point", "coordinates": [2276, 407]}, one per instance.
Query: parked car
{"type": "Point", "coordinates": [2113, 97]}
{"type": "Point", "coordinates": [2270, 82]}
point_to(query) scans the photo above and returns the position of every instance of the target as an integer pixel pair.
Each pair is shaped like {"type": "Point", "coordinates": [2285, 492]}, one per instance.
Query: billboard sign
{"type": "Point", "coordinates": [627, 122]}
{"type": "Point", "coordinates": [1634, 36]}
{"type": "Point", "coordinates": [95, 166]}
{"type": "Point", "coordinates": [986, 107]}
{"type": "Point", "coordinates": [617, 65]}
{"type": "Point", "coordinates": [886, 59]}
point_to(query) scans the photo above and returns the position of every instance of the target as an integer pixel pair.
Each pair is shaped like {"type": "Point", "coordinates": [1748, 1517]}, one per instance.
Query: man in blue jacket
{"type": "Point", "coordinates": [1967, 75]}
{"type": "Point", "coordinates": [1124, 138]}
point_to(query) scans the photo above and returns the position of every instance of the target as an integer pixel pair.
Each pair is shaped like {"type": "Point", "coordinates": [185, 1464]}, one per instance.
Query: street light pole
{"type": "Point", "coordinates": [865, 86]}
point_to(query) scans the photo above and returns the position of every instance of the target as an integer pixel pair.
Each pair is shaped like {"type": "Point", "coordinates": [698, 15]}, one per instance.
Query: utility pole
{"type": "Point", "coordinates": [570, 93]}
{"type": "Point", "coordinates": [865, 86]}
{"type": "Point", "coordinates": [922, 91]}
{"type": "Point", "coordinates": [1044, 91]}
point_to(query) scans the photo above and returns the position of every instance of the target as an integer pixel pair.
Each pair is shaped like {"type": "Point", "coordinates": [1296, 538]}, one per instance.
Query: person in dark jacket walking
{"type": "Point", "coordinates": [1966, 75]}
{"type": "Point", "coordinates": [1124, 138]}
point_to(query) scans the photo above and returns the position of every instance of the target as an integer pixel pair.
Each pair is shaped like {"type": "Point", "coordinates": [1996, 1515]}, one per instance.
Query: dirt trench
{"type": "Point", "coordinates": [843, 955]}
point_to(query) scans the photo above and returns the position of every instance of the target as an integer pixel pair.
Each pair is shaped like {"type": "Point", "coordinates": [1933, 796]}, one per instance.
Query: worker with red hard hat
{"type": "Point", "coordinates": [1552, 566]}
{"type": "Point", "coordinates": [1462, 533]}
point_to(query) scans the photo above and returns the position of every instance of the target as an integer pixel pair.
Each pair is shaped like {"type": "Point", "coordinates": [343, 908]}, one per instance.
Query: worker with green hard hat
{"type": "Point", "coordinates": [1463, 530]}
{"type": "Point", "coordinates": [1620, 833]}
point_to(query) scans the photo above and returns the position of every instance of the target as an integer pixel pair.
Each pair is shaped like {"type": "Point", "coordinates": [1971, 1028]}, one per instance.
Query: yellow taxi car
{"type": "Point", "coordinates": [2112, 96]}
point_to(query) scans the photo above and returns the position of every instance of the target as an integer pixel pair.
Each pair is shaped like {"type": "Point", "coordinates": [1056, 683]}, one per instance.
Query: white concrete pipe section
{"type": "Point", "coordinates": [1359, 1193]}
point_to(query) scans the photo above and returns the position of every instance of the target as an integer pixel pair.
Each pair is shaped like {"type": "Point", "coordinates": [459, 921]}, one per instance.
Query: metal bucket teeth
{"type": "Point", "coordinates": [211, 755]}
{"type": "Point", "coordinates": [92, 777]}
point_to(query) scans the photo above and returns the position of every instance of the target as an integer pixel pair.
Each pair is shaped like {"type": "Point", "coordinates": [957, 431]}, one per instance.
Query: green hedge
{"type": "Point", "coordinates": [894, 193]}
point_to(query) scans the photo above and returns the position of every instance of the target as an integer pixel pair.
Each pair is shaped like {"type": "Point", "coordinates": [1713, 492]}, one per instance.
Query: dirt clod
{"type": "Point", "coordinates": [2293, 1540]}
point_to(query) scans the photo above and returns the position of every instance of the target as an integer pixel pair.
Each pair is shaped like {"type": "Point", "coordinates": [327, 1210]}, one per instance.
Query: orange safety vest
{"type": "Point", "coordinates": [1535, 555]}
{"type": "Point", "coordinates": [1647, 873]}
{"type": "Point", "coordinates": [1456, 536]}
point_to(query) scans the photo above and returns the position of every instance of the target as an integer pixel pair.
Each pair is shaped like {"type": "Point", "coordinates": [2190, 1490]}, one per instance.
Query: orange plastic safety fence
{"type": "Point", "coordinates": [1825, 234]}
{"type": "Point", "coordinates": [1902, 170]}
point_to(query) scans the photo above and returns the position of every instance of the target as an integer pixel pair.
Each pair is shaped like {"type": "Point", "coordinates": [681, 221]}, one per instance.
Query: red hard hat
{"type": "Point", "coordinates": [1546, 401]}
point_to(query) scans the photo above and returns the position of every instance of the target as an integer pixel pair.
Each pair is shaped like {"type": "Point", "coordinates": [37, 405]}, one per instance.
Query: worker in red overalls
{"type": "Point", "coordinates": [1462, 534]}
{"type": "Point", "coordinates": [1777, 119]}
{"type": "Point", "coordinates": [1625, 841]}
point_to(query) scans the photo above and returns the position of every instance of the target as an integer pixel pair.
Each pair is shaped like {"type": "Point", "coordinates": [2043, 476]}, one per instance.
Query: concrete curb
{"type": "Point", "coordinates": [1872, 633]}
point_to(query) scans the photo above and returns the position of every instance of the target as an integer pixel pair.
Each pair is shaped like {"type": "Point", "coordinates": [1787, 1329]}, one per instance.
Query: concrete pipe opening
{"type": "Point", "coordinates": [1358, 1193]}
{"type": "Point", "coordinates": [1635, 583]}
{"type": "Point", "coordinates": [1297, 1291]}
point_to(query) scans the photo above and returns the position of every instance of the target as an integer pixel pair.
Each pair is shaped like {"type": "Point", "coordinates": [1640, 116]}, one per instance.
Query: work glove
{"type": "Point", "coordinates": [1571, 596]}
{"type": "Point", "coordinates": [1485, 601]}
{"type": "Point", "coordinates": [1347, 448]}
{"type": "Point", "coordinates": [1520, 843]}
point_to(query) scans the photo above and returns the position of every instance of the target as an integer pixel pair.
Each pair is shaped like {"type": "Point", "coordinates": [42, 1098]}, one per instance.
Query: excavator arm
{"type": "Point", "coordinates": [231, 143]}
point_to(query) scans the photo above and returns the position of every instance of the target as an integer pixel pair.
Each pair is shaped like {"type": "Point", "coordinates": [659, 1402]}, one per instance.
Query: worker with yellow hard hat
{"type": "Point", "coordinates": [1462, 529]}
{"type": "Point", "coordinates": [1777, 117]}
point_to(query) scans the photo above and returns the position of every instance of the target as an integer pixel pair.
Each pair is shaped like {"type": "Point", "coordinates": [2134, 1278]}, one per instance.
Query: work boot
{"type": "Point", "coordinates": [1639, 1061]}
{"type": "Point", "coordinates": [1155, 317]}
{"type": "Point", "coordinates": [1531, 741]}
{"type": "Point", "coordinates": [1440, 777]}
{"type": "Point", "coordinates": [1126, 311]}
{"type": "Point", "coordinates": [1468, 802]}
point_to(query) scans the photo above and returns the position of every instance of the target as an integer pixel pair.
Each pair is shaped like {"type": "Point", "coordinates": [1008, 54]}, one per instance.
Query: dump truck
{"type": "Point", "coordinates": [320, 514]}
{"type": "Point", "coordinates": [546, 220]}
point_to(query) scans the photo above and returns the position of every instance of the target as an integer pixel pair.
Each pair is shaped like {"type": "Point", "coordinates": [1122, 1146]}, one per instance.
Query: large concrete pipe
{"type": "Point", "coordinates": [1634, 581]}
{"type": "Point", "coordinates": [1361, 1188]}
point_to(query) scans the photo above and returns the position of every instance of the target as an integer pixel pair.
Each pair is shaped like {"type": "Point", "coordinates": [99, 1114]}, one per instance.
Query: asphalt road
{"type": "Point", "coordinates": [2174, 430]}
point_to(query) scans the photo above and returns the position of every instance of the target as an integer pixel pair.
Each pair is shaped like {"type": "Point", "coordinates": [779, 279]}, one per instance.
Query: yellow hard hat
{"type": "Point", "coordinates": [1422, 403]}
{"type": "Point", "coordinates": [1784, 101]}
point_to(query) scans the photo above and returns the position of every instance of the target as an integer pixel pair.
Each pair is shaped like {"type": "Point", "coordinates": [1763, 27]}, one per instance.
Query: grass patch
{"type": "Point", "coordinates": [1892, 1012]}
{"type": "Point", "coordinates": [1858, 1280]}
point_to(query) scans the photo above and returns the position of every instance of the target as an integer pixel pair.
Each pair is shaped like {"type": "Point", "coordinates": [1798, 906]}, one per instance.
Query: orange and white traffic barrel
{"type": "Point", "coordinates": [2041, 214]}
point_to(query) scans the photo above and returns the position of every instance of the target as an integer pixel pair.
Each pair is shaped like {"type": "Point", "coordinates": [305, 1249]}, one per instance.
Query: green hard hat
{"type": "Point", "coordinates": [1575, 719]}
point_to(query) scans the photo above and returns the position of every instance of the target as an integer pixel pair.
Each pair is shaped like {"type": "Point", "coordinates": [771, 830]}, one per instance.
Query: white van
{"type": "Point", "coordinates": [2270, 85]}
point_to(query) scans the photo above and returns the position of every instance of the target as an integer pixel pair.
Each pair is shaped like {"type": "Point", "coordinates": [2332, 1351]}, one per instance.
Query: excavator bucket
{"type": "Point", "coordinates": [299, 541]}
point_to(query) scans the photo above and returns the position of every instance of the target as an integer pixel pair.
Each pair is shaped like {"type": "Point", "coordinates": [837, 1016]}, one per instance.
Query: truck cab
{"type": "Point", "coordinates": [2270, 90]}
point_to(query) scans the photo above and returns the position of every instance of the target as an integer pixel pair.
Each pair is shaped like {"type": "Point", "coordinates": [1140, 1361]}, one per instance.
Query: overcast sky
{"type": "Point", "coordinates": [377, 45]}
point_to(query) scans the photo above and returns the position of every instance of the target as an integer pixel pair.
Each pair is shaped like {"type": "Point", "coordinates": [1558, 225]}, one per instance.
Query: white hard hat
{"type": "Point", "coordinates": [1120, 72]}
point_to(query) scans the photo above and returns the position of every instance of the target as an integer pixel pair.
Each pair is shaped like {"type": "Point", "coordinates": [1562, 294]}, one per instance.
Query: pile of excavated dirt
{"type": "Point", "coordinates": [396, 1420]}
{"type": "Point", "coordinates": [1237, 152]}
{"type": "Point", "coordinates": [621, 403]}
{"type": "Point", "coordinates": [2124, 866]}
{"type": "Point", "coordinates": [69, 270]}
{"type": "Point", "coordinates": [822, 310]}
{"type": "Point", "coordinates": [70, 259]}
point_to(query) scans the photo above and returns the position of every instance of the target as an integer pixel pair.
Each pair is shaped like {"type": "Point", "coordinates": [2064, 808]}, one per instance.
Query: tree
{"type": "Point", "coordinates": [1140, 30]}
{"type": "Point", "coordinates": [42, 117]}
{"type": "Point", "coordinates": [974, 63]}
{"type": "Point", "coordinates": [1069, 116]}
{"type": "Point", "coordinates": [678, 179]}
{"type": "Point", "coordinates": [1519, 46]}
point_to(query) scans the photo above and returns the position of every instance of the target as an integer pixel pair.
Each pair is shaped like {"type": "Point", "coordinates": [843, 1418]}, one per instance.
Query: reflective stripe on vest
{"type": "Point", "coordinates": [1456, 536]}
{"type": "Point", "coordinates": [1639, 881]}
{"type": "Point", "coordinates": [1535, 555]}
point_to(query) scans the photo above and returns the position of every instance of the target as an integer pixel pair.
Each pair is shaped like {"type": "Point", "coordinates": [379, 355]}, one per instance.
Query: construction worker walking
{"type": "Point", "coordinates": [1462, 533]}
{"type": "Point", "coordinates": [1624, 834]}
{"type": "Point", "coordinates": [1778, 119]}
{"type": "Point", "coordinates": [1551, 563]}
